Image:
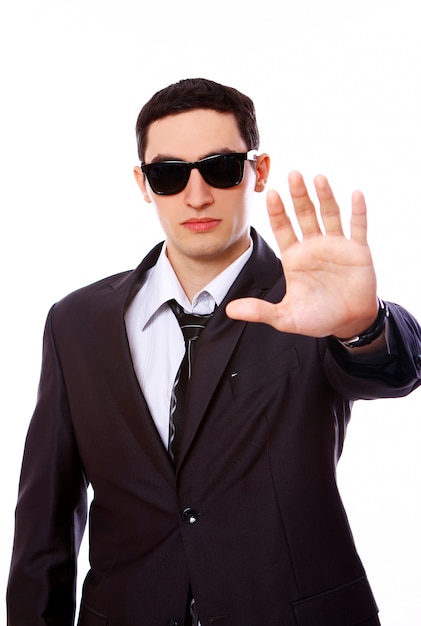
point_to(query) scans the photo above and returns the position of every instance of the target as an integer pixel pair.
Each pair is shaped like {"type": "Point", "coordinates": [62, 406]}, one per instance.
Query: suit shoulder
{"type": "Point", "coordinates": [85, 295]}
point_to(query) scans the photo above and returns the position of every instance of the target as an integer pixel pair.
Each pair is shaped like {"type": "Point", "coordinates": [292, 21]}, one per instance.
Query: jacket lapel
{"type": "Point", "coordinates": [108, 311]}
{"type": "Point", "coordinates": [221, 335]}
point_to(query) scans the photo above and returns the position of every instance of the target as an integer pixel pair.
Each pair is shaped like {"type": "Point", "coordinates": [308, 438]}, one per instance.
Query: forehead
{"type": "Point", "coordinates": [193, 134]}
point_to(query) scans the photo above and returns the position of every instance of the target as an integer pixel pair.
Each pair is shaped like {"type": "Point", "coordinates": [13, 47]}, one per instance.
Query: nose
{"type": "Point", "coordinates": [197, 193]}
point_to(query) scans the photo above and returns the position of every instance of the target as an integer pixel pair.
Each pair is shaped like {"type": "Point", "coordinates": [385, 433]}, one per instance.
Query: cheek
{"type": "Point", "coordinates": [159, 212]}
{"type": "Point", "coordinates": [240, 205]}
{"type": "Point", "coordinates": [165, 214]}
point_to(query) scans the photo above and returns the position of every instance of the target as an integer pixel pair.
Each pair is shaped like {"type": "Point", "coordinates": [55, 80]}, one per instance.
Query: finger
{"type": "Point", "coordinates": [329, 208]}
{"type": "Point", "coordinates": [279, 221]}
{"type": "Point", "coordinates": [303, 206]}
{"type": "Point", "coordinates": [359, 218]}
{"type": "Point", "coordinates": [253, 310]}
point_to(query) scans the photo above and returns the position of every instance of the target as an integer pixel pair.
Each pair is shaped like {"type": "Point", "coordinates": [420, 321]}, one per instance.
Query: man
{"type": "Point", "coordinates": [231, 515]}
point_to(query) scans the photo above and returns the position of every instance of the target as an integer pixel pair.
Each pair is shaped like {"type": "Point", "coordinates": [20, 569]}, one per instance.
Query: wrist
{"type": "Point", "coordinates": [371, 334]}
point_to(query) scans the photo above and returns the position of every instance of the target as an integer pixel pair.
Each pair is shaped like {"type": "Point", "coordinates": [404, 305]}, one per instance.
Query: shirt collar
{"type": "Point", "coordinates": [162, 284]}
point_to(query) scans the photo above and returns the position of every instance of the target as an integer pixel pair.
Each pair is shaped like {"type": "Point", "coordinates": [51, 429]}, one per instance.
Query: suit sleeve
{"type": "Point", "coordinates": [51, 508]}
{"type": "Point", "coordinates": [394, 373]}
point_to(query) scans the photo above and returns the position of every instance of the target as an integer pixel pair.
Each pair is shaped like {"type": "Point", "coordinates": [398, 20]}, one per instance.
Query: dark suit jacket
{"type": "Point", "coordinates": [252, 518]}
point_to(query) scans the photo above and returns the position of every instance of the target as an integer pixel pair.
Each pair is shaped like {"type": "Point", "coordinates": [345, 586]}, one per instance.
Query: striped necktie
{"type": "Point", "coordinates": [191, 326]}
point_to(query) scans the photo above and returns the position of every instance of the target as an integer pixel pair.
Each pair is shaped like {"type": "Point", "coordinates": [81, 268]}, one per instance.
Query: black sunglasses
{"type": "Point", "coordinates": [219, 170]}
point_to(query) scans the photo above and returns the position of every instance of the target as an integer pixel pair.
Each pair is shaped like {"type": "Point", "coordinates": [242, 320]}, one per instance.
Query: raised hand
{"type": "Point", "coordinates": [331, 283]}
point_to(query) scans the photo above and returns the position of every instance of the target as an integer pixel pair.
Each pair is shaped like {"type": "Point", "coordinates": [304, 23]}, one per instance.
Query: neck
{"type": "Point", "coordinates": [196, 276]}
{"type": "Point", "coordinates": [195, 273]}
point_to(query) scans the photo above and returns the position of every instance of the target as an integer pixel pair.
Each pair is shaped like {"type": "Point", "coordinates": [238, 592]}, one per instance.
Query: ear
{"type": "Point", "coordinates": [141, 181]}
{"type": "Point", "coordinates": [262, 171]}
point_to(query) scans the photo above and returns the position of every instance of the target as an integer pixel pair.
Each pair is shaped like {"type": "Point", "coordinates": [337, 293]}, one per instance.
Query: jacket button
{"type": "Point", "coordinates": [190, 516]}
{"type": "Point", "coordinates": [418, 361]}
{"type": "Point", "coordinates": [171, 622]}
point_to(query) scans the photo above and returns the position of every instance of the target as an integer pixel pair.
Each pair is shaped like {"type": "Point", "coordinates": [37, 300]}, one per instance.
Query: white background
{"type": "Point", "coordinates": [337, 91]}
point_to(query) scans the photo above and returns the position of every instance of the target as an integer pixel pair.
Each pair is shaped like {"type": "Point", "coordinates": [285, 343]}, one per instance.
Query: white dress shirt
{"type": "Point", "coordinates": [155, 338]}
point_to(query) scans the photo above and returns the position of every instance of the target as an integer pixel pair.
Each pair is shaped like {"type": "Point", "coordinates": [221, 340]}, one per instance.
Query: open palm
{"type": "Point", "coordinates": [331, 283]}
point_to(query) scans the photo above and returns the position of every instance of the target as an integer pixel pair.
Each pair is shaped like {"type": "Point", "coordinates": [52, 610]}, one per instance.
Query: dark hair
{"type": "Point", "coordinates": [198, 93]}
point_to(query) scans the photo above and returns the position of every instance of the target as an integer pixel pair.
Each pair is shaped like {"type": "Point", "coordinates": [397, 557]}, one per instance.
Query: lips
{"type": "Point", "coordinates": [201, 225]}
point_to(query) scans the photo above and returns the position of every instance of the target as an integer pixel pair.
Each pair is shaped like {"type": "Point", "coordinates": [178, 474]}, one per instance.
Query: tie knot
{"type": "Point", "coordinates": [191, 324]}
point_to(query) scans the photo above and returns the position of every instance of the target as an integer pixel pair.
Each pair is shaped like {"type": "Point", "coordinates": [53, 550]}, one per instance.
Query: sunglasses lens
{"type": "Point", "coordinates": [168, 178]}
{"type": "Point", "coordinates": [223, 171]}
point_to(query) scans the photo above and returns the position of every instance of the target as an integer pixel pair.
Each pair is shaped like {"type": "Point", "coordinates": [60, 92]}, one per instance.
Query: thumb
{"type": "Point", "coordinates": [252, 310]}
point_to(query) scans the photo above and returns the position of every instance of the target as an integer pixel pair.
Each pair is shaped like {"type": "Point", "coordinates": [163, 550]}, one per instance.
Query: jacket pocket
{"type": "Point", "coordinates": [90, 617]}
{"type": "Point", "coordinates": [347, 605]}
